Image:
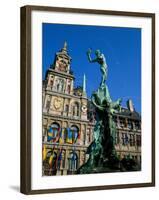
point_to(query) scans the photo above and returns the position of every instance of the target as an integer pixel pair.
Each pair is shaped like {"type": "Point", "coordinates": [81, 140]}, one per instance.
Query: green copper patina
{"type": "Point", "coordinates": [100, 58]}
{"type": "Point", "coordinates": [102, 153]}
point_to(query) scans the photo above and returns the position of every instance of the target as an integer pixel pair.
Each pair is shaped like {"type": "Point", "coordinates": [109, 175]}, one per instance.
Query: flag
{"type": "Point", "coordinates": [51, 160]}
{"type": "Point", "coordinates": [61, 137]}
{"type": "Point", "coordinates": [44, 152]}
{"type": "Point", "coordinates": [57, 136]}
{"type": "Point", "coordinates": [76, 135]}
{"type": "Point", "coordinates": [50, 134]}
{"type": "Point", "coordinates": [69, 136]}
{"type": "Point", "coordinates": [59, 159]}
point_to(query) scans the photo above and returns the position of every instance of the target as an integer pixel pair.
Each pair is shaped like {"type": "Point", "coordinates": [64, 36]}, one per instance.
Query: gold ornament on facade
{"type": "Point", "coordinates": [58, 102]}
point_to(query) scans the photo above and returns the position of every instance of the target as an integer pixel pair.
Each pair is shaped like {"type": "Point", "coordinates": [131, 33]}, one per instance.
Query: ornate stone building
{"type": "Point", "coordinates": [68, 121]}
{"type": "Point", "coordinates": [128, 136]}
{"type": "Point", "coordinates": [67, 132]}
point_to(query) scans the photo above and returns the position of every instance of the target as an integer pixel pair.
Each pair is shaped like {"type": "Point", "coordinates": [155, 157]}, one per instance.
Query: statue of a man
{"type": "Point", "coordinates": [100, 58]}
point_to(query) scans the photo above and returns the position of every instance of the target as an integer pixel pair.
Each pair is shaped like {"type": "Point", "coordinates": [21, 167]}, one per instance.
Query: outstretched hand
{"type": "Point", "coordinates": [89, 51]}
{"type": "Point", "coordinates": [120, 100]}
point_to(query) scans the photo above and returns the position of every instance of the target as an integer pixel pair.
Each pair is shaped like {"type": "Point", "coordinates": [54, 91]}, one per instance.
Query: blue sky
{"type": "Point", "coordinates": [121, 47]}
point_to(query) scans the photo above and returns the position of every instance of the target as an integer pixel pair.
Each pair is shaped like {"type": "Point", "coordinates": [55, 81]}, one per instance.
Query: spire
{"type": "Point", "coordinates": [84, 85]}
{"type": "Point", "coordinates": [65, 45]}
{"type": "Point", "coordinates": [64, 52]}
{"type": "Point", "coordinates": [64, 49]}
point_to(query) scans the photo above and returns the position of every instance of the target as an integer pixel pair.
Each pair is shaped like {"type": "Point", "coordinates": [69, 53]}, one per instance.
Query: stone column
{"type": "Point", "coordinates": [126, 122]}
{"type": "Point", "coordinates": [66, 162]}
{"type": "Point", "coordinates": [85, 137]}
{"type": "Point", "coordinates": [79, 163]}
{"type": "Point", "coordinates": [71, 87]}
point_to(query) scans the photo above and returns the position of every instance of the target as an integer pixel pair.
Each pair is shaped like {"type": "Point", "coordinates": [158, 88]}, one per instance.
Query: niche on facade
{"type": "Point", "coordinates": [75, 109]}
{"type": "Point", "coordinates": [59, 85]}
{"type": "Point", "coordinates": [47, 102]}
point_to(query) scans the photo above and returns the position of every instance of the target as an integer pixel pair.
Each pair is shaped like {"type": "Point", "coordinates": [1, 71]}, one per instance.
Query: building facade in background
{"type": "Point", "coordinates": [69, 119]}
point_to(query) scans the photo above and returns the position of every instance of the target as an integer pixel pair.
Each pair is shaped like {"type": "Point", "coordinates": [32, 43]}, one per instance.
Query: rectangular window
{"type": "Point", "coordinates": [117, 138]}
{"type": "Point", "coordinates": [66, 108]}
{"type": "Point", "coordinates": [125, 139]}
{"type": "Point", "coordinates": [137, 125]}
{"type": "Point", "coordinates": [131, 144]}
{"type": "Point", "coordinates": [132, 140]}
{"type": "Point", "coordinates": [130, 124]}
{"type": "Point", "coordinates": [122, 122]}
{"type": "Point", "coordinates": [51, 83]}
{"type": "Point", "coordinates": [138, 140]}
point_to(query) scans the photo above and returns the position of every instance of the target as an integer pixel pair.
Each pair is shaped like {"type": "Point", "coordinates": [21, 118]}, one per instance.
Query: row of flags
{"type": "Point", "coordinates": [55, 158]}
{"type": "Point", "coordinates": [63, 135]}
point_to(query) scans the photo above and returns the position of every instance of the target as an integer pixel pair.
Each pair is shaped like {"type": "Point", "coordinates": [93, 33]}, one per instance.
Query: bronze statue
{"type": "Point", "coordinates": [102, 153]}
{"type": "Point", "coordinates": [100, 58]}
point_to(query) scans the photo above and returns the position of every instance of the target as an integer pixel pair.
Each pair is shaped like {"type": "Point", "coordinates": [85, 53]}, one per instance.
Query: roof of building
{"type": "Point", "coordinates": [125, 112]}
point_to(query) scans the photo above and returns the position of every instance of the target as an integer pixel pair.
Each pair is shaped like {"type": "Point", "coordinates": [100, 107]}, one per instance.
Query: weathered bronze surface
{"type": "Point", "coordinates": [102, 153]}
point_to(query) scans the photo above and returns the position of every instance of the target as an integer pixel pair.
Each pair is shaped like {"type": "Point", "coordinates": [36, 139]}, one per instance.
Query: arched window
{"type": "Point", "coordinates": [75, 109]}
{"type": "Point", "coordinates": [55, 128]}
{"type": "Point", "coordinates": [51, 83]}
{"type": "Point", "coordinates": [50, 154]}
{"type": "Point", "coordinates": [49, 165]}
{"type": "Point", "coordinates": [52, 162]}
{"type": "Point", "coordinates": [67, 109]}
{"type": "Point", "coordinates": [73, 161]}
{"type": "Point", "coordinates": [61, 159]}
{"type": "Point", "coordinates": [60, 85]}
{"type": "Point", "coordinates": [71, 134]}
{"type": "Point", "coordinates": [75, 133]}
{"type": "Point", "coordinates": [53, 132]}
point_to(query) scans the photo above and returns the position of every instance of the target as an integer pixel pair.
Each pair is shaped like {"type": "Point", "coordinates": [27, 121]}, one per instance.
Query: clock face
{"type": "Point", "coordinates": [58, 103]}
{"type": "Point", "coordinates": [84, 108]}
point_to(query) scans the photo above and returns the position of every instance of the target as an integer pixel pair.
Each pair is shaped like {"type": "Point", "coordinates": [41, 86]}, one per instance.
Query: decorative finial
{"type": "Point", "coordinates": [65, 45]}
{"type": "Point", "coordinates": [130, 105]}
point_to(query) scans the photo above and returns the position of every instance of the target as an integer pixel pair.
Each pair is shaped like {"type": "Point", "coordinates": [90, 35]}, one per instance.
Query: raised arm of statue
{"type": "Point", "coordinates": [89, 57]}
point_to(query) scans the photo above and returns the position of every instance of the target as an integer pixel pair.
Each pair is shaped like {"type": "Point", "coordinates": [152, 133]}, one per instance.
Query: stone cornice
{"type": "Point", "coordinates": [61, 74]}
{"type": "Point", "coordinates": [76, 146]}
{"type": "Point", "coordinates": [65, 95]}
{"type": "Point", "coordinates": [65, 117]}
